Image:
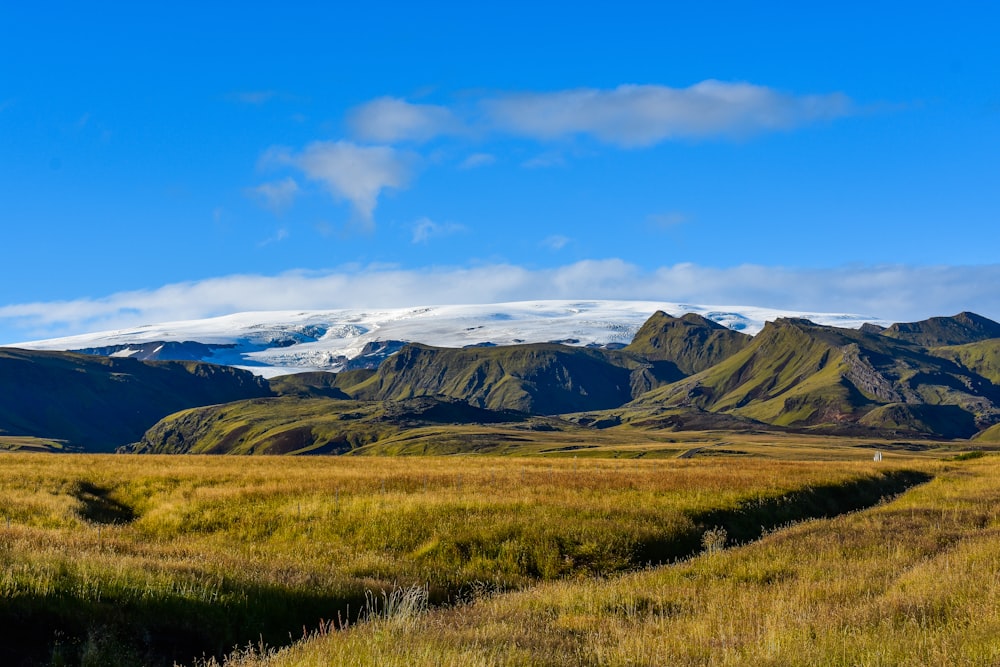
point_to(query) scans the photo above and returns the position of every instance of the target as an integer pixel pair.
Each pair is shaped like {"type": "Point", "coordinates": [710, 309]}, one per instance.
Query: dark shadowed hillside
{"type": "Point", "coordinates": [99, 403]}
{"type": "Point", "coordinates": [538, 379]}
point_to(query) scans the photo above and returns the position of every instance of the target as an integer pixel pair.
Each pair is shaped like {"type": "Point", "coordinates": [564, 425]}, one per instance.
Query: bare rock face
{"type": "Point", "coordinates": [373, 354]}
{"type": "Point", "coordinates": [868, 379]}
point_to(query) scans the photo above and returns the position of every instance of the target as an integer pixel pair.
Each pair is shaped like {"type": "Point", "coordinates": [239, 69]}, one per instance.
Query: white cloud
{"type": "Point", "coordinates": [255, 97]}
{"type": "Point", "coordinates": [425, 228]}
{"type": "Point", "coordinates": [545, 160]}
{"type": "Point", "coordinates": [390, 120]}
{"type": "Point", "coordinates": [667, 220]}
{"type": "Point", "coordinates": [478, 160]}
{"type": "Point", "coordinates": [277, 195]}
{"type": "Point", "coordinates": [627, 116]}
{"type": "Point", "coordinates": [355, 173]}
{"type": "Point", "coordinates": [643, 115]}
{"type": "Point", "coordinates": [278, 237]}
{"type": "Point", "coordinates": [895, 292]}
{"type": "Point", "coordinates": [556, 242]}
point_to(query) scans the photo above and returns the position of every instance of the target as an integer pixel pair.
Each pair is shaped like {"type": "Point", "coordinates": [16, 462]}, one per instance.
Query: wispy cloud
{"type": "Point", "coordinates": [545, 160]}
{"type": "Point", "coordinates": [254, 97]}
{"type": "Point", "coordinates": [277, 195]}
{"type": "Point", "coordinates": [667, 220]}
{"type": "Point", "coordinates": [631, 116]}
{"type": "Point", "coordinates": [391, 120]}
{"type": "Point", "coordinates": [478, 160]}
{"type": "Point", "coordinates": [425, 228]}
{"type": "Point", "coordinates": [628, 116]}
{"type": "Point", "coordinates": [895, 292]}
{"type": "Point", "coordinates": [349, 171]}
{"type": "Point", "coordinates": [280, 235]}
{"type": "Point", "coordinates": [556, 242]}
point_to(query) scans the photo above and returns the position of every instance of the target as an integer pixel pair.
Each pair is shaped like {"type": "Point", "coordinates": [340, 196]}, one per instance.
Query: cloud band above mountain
{"type": "Point", "coordinates": [894, 292]}
{"type": "Point", "coordinates": [628, 116]}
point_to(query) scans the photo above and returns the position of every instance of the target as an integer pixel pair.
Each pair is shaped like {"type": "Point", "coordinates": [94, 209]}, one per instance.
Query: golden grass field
{"type": "Point", "coordinates": [915, 581]}
{"type": "Point", "coordinates": [500, 560]}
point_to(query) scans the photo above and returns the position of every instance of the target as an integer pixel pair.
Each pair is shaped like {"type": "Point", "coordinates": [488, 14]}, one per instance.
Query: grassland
{"type": "Point", "coordinates": [28, 443]}
{"type": "Point", "coordinates": [147, 560]}
{"type": "Point", "coordinates": [914, 581]}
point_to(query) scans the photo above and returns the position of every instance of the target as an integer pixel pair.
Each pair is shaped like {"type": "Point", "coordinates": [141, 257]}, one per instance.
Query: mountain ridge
{"type": "Point", "coordinates": [281, 342]}
{"type": "Point", "coordinates": [675, 373]}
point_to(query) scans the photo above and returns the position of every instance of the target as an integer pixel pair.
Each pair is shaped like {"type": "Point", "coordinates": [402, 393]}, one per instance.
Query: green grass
{"type": "Point", "coordinates": [27, 443]}
{"type": "Point", "coordinates": [982, 357]}
{"type": "Point", "coordinates": [992, 434]}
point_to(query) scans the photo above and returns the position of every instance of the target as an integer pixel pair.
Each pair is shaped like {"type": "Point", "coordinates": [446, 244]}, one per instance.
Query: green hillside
{"type": "Point", "coordinates": [982, 357]}
{"type": "Point", "coordinates": [945, 421]}
{"type": "Point", "coordinates": [692, 342]}
{"type": "Point", "coordinates": [291, 425]}
{"type": "Point", "coordinates": [316, 384]}
{"type": "Point", "coordinates": [992, 434]}
{"type": "Point", "coordinates": [100, 403]}
{"type": "Point", "coordinates": [796, 373]}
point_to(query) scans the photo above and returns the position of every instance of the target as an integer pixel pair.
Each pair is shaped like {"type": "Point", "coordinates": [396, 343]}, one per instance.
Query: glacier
{"type": "Point", "coordinates": [271, 343]}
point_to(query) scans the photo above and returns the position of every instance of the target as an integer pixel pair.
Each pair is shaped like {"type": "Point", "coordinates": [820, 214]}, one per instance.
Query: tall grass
{"type": "Point", "coordinates": [162, 558]}
{"type": "Point", "coordinates": [914, 581]}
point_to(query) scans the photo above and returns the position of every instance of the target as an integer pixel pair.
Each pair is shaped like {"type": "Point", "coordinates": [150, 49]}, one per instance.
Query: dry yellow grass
{"type": "Point", "coordinates": [212, 551]}
{"type": "Point", "coordinates": [915, 581]}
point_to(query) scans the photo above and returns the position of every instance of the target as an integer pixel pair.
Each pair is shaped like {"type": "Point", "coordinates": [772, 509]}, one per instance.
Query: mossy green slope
{"type": "Point", "coordinates": [982, 357]}
{"type": "Point", "coordinates": [958, 329]}
{"type": "Point", "coordinates": [692, 342]}
{"type": "Point", "coordinates": [946, 421]}
{"type": "Point", "coordinates": [992, 434]}
{"type": "Point", "coordinates": [100, 403]}
{"type": "Point", "coordinates": [290, 425]}
{"type": "Point", "coordinates": [537, 379]}
{"type": "Point", "coordinates": [316, 384]}
{"type": "Point", "coordinates": [796, 373]}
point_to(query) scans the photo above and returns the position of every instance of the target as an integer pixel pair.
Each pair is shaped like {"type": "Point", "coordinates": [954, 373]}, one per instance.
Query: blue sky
{"type": "Point", "coordinates": [174, 160]}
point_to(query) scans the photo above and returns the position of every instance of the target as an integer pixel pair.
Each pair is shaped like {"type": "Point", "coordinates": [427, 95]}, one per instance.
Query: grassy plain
{"type": "Point", "coordinates": [150, 559]}
{"type": "Point", "coordinates": [914, 581]}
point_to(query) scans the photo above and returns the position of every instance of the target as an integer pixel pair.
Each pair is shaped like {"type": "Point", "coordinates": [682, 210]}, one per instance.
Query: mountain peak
{"type": "Point", "coordinates": [691, 341]}
{"type": "Point", "coordinates": [965, 327]}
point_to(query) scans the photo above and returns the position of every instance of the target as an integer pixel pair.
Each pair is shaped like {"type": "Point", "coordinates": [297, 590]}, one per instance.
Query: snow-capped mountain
{"type": "Point", "coordinates": [278, 342]}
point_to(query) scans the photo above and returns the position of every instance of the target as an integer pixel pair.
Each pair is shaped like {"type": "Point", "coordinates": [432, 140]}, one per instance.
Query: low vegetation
{"type": "Point", "coordinates": [914, 581]}
{"type": "Point", "coordinates": [148, 560]}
